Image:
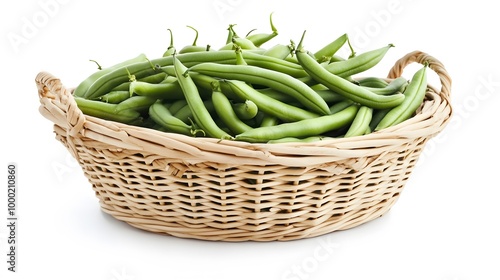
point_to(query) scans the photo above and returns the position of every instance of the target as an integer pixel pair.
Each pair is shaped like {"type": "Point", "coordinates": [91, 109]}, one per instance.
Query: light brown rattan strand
{"type": "Point", "coordinates": [234, 191]}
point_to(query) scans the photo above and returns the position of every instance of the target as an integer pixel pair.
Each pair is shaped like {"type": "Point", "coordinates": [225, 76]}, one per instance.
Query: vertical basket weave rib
{"type": "Point", "coordinates": [235, 191]}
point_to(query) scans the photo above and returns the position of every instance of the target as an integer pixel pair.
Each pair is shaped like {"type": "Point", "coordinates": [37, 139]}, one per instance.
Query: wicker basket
{"type": "Point", "coordinates": [235, 191]}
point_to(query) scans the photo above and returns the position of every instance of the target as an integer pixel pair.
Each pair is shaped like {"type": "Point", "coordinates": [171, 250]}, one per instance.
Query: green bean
{"type": "Point", "coordinates": [414, 96]}
{"type": "Point", "coordinates": [336, 58]}
{"type": "Point", "coordinates": [168, 91]}
{"type": "Point", "coordinates": [206, 83]}
{"type": "Point", "coordinates": [246, 110]}
{"type": "Point", "coordinates": [194, 47]}
{"type": "Point", "coordinates": [163, 117]}
{"type": "Point", "coordinates": [361, 122]}
{"type": "Point", "coordinates": [327, 95]}
{"type": "Point", "coordinates": [341, 105]}
{"type": "Point", "coordinates": [244, 43]}
{"type": "Point", "coordinates": [394, 86]}
{"type": "Point", "coordinates": [177, 105]}
{"type": "Point", "coordinates": [153, 79]}
{"type": "Point", "coordinates": [330, 49]}
{"type": "Point", "coordinates": [186, 115]}
{"type": "Point", "coordinates": [169, 78]}
{"type": "Point", "coordinates": [373, 82]}
{"type": "Point", "coordinates": [300, 129]}
{"type": "Point", "coordinates": [269, 120]}
{"type": "Point", "coordinates": [267, 104]}
{"type": "Point", "coordinates": [240, 60]}
{"type": "Point", "coordinates": [347, 89]}
{"type": "Point", "coordinates": [106, 111]}
{"type": "Point", "coordinates": [359, 63]}
{"type": "Point", "coordinates": [279, 51]}
{"type": "Point", "coordinates": [115, 97]}
{"type": "Point", "coordinates": [82, 88]}
{"type": "Point", "coordinates": [200, 113]}
{"type": "Point", "coordinates": [137, 103]}
{"type": "Point", "coordinates": [171, 48]}
{"type": "Point", "coordinates": [378, 115]}
{"type": "Point", "coordinates": [261, 38]}
{"type": "Point", "coordinates": [225, 111]}
{"type": "Point", "coordinates": [269, 78]}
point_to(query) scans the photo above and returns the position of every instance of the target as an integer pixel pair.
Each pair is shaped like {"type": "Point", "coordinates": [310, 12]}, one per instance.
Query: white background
{"type": "Point", "coordinates": [445, 226]}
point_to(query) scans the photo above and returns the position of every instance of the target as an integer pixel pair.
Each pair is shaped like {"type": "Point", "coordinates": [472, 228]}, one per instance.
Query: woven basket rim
{"type": "Point", "coordinates": [435, 112]}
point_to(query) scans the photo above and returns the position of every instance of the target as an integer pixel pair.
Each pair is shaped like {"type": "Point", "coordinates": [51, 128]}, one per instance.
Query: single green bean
{"type": "Point", "coordinates": [378, 115]}
{"type": "Point", "coordinates": [177, 105]}
{"type": "Point", "coordinates": [136, 103]}
{"type": "Point", "coordinates": [115, 97]}
{"type": "Point", "coordinates": [373, 82]}
{"type": "Point", "coordinates": [153, 79]}
{"type": "Point", "coordinates": [186, 115]}
{"type": "Point", "coordinates": [225, 111]}
{"type": "Point", "coordinates": [171, 48]}
{"type": "Point", "coordinates": [279, 51]}
{"type": "Point", "coordinates": [168, 91]}
{"type": "Point", "coordinates": [106, 111]}
{"type": "Point", "coordinates": [246, 110]}
{"type": "Point", "coordinates": [300, 129]}
{"type": "Point", "coordinates": [341, 105]}
{"type": "Point", "coordinates": [261, 38]}
{"type": "Point", "coordinates": [358, 63]}
{"type": "Point", "coordinates": [394, 86]}
{"type": "Point", "coordinates": [269, 120]}
{"type": "Point", "coordinates": [330, 49]}
{"type": "Point", "coordinates": [163, 117]}
{"type": "Point", "coordinates": [361, 122]}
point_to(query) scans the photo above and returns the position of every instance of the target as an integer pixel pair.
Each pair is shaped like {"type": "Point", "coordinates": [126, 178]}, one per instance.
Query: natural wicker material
{"type": "Point", "coordinates": [235, 191]}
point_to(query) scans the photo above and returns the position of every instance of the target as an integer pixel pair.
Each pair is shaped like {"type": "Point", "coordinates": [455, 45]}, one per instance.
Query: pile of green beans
{"type": "Point", "coordinates": [244, 91]}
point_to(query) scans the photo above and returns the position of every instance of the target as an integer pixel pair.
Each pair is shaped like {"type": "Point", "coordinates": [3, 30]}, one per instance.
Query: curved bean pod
{"type": "Point", "coordinates": [168, 91]}
{"type": "Point", "coordinates": [225, 111]}
{"type": "Point", "coordinates": [246, 110]}
{"type": "Point", "coordinates": [415, 94]}
{"type": "Point", "coordinates": [106, 111]}
{"type": "Point", "coordinates": [358, 63]}
{"type": "Point", "coordinates": [136, 103]}
{"type": "Point", "coordinates": [115, 97]}
{"type": "Point", "coordinates": [361, 122]}
{"type": "Point", "coordinates": [261, 38]}
{"type": "Point", "coordinates": [300, 129]}
{"type": "Point", "coordinates": [330, 49]}
{"type": "Point", "coordinates": [396, 85]}
{"type": "Point", "coordinates": [162, 116]}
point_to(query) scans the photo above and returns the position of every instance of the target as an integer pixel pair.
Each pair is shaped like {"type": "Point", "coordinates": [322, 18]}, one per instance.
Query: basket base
{"type": "Point", "coordinates": [285, 232]}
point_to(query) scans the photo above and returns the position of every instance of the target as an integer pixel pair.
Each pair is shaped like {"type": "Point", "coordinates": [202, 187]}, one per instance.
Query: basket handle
{"type": "Point", "coordinates": [434, 64]}
{"type": "Point", "coordinates": [58, 105]}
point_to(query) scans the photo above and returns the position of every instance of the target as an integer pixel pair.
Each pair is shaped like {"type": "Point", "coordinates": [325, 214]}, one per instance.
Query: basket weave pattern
{"type": "Point", "coordinates": [235, 191]}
